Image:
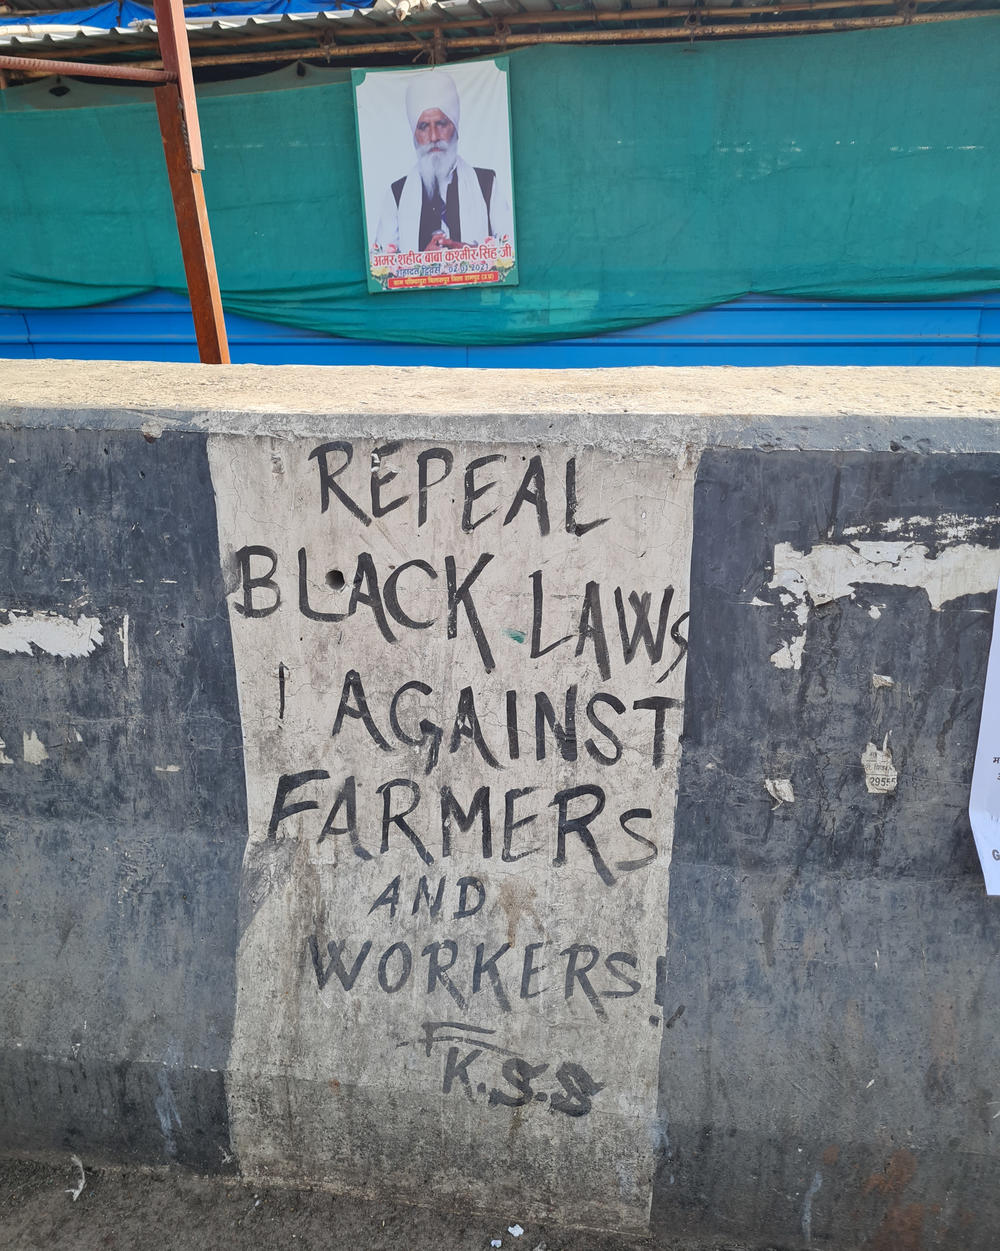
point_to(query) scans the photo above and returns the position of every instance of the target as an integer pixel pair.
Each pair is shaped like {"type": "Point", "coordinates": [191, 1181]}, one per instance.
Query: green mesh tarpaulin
{"type": "Point", "coordinates": [648, 181]}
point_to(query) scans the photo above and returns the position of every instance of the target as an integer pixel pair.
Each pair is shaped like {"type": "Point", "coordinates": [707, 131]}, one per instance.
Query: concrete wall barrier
{"type": "Point", "coordinates": [537, 789]}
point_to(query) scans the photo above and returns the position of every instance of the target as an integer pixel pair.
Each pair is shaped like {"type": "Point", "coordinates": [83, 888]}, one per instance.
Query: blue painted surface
{"type": "Point", "coordinates": [749, 331]}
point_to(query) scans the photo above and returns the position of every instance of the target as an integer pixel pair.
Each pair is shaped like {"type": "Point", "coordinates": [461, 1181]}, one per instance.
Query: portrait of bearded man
{"type": "Point", "coordinates": [443, 202]}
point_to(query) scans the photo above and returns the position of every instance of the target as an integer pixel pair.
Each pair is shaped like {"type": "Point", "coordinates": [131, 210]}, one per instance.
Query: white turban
{"type": "Point", "coordinates": [432, 90]}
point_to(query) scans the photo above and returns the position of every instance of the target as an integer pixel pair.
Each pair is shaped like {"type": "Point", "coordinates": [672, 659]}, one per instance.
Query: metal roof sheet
{"type": "Point", "coordinates": [246, 33]}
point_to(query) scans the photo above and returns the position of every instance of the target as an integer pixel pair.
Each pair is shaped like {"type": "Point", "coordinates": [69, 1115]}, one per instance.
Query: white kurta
{"type": "Point", "coordinates": [399, 226]}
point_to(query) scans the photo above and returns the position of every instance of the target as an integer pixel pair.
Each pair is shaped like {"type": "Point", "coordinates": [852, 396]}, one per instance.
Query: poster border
{"type": "Point", "coordinates": [358, 76]}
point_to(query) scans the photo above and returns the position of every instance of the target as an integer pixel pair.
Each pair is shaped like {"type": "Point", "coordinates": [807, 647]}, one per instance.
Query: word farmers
{"type": "Point", "coordinates": [404, 819]}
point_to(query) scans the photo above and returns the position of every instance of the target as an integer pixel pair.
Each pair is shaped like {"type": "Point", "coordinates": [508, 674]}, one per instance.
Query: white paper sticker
{"type": "Point", "coordinates": [984, 801]}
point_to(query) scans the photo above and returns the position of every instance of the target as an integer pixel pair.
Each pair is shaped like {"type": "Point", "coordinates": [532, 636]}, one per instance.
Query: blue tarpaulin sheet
{"type": "Point", "coordinates": [123, 13]}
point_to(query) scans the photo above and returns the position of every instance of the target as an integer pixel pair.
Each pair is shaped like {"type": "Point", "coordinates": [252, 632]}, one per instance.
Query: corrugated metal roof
{"type": "Point", "coordinates": [284, 34]}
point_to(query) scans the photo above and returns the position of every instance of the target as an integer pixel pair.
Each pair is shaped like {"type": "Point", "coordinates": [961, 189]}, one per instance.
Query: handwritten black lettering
{"type": "Point", "coordinates": [642, 631]}
{"type": "Point", "coordinates": [459, 593]}
{"type": "Point", "coordinates": [658, 704]}
{"type": "Point", "coordinates": [510, 825]}
{"type": "Point", "coordinates": [531, 491]}
{"type": "Point", "coordinates": [390, 818]}
{"type": "Point", "coordinates": [249, 583]}
{"type": "Point", "coordinates": [391, 594]}
{"type": "Point", "coordinates": [593, 750]}
{"type": "Point", "coordinates": [565, 732]}
{"type": "Point", "coordinates": [636, 814]}
{"type": "Point", "coordinates": [466, 884]}
{"type": "Point", "coordinates": [467, 726]}
{"type": "Point", "coordinates": [445, 458]}
{"type": "Point", "coordinates": [489, 968]}
{"type": "Point", "coordinates": [473, 492]}
{"type": "Point", "coordinates": [580, 825]}
{"type": "Point", "coordinates": [576, 974]}
{"type": "Point", "coordinates": [574, 527]}
{"type": "Point", "coordinates": [354, 704]}
{"type": "Point", "coordinates": [452, 809]}
{"type": "Point", "coordinates": [347, 798]}
{"type": "Point", "coordinates": [437, 970]}
{"type": "Point", "coordinates": [287, 783]}
{"type": "Point", "coordinates": [335, 950]}
{"type": "Point", "coordinates": [379, 480]}
{"type": "Point", "coordinates": [591, 629]}
{"type": "Point", "coordinates": [406, 964]}
{"type": "Point", "coordinates": [327, 480]}
{"type": "Point", "coordinates": [537, 614]}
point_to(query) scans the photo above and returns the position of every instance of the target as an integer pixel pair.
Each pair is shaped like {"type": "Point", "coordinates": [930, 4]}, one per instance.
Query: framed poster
{"type": "Point", "coordinates": [435, 157]}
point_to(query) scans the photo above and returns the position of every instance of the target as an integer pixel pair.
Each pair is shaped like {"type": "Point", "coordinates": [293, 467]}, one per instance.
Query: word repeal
{"type": "Point", "coordinates": [433, 466]}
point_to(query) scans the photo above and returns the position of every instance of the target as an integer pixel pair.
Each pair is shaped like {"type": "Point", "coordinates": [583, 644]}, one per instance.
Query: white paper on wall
{"type": "Point", "coordinates": [984, 801]}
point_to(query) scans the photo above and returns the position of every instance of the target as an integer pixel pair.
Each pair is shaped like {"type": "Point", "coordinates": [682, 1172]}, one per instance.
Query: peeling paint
{"type": "Point", "coordinates": [780, 790]}
{"type": "Point", "coordinates": [123, 636]}
{"type": "Point", "coordinates": [831, 571]}
{"type": "Point", "coordinates": [882, 682]}
{"type": "Point", "coordinates": [49, 633]}
{"type": "Point", "coordinates": [32, 748]}
{"type": "Point", "coordinates": [947, 527]}
{"type": "Point", "coordinates": [4, 758]}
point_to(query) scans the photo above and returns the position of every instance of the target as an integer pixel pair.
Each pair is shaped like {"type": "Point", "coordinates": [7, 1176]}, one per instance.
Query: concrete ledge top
{"type": "Point", "coordinates": [789, 407]}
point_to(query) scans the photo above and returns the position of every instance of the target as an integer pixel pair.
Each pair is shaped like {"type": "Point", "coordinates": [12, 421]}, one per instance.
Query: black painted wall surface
{"type": "Point", "coordinates": [121, 853]}
{"type": "Point", "coordinates": [828, 1066]}
{"type": "Point", "coordinates": [833, 1073]}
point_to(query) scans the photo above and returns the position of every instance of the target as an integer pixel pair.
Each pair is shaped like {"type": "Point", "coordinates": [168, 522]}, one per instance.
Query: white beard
{"type": "Point", "coordinates": [436, 166]}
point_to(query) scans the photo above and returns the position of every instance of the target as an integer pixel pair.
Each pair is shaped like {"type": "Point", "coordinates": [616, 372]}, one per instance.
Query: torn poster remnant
{"type": "Point", "coordinates": [32, 748]}
{"type": "Point", "coordinates": [780, 790]}
{"type": "Point", "coordinates": [881, 774]}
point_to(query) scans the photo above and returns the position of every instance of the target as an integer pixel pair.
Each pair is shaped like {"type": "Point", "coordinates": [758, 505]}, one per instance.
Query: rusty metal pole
{"type": "Point", "coordinates": [177, 111]}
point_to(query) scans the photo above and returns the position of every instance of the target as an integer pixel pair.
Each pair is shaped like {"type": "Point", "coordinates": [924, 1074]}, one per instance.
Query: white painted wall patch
{"type": "Point", "coordinates": [32, 748]}
{"type": "Point", "coordinates": [425, 673]}
{"type": "Point", "coordinates": [30, 633]}
{"type": "Point", "coordinates": [780, 790]}
{"type": "Point", "coordinates": [123, 636]}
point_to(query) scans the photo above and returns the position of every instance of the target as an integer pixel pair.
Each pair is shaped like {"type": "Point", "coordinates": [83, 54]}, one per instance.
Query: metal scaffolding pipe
{"type": "Point", "coordinates": [80, 69]}
{"type": "Point", "coordinates": [649, 34]}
